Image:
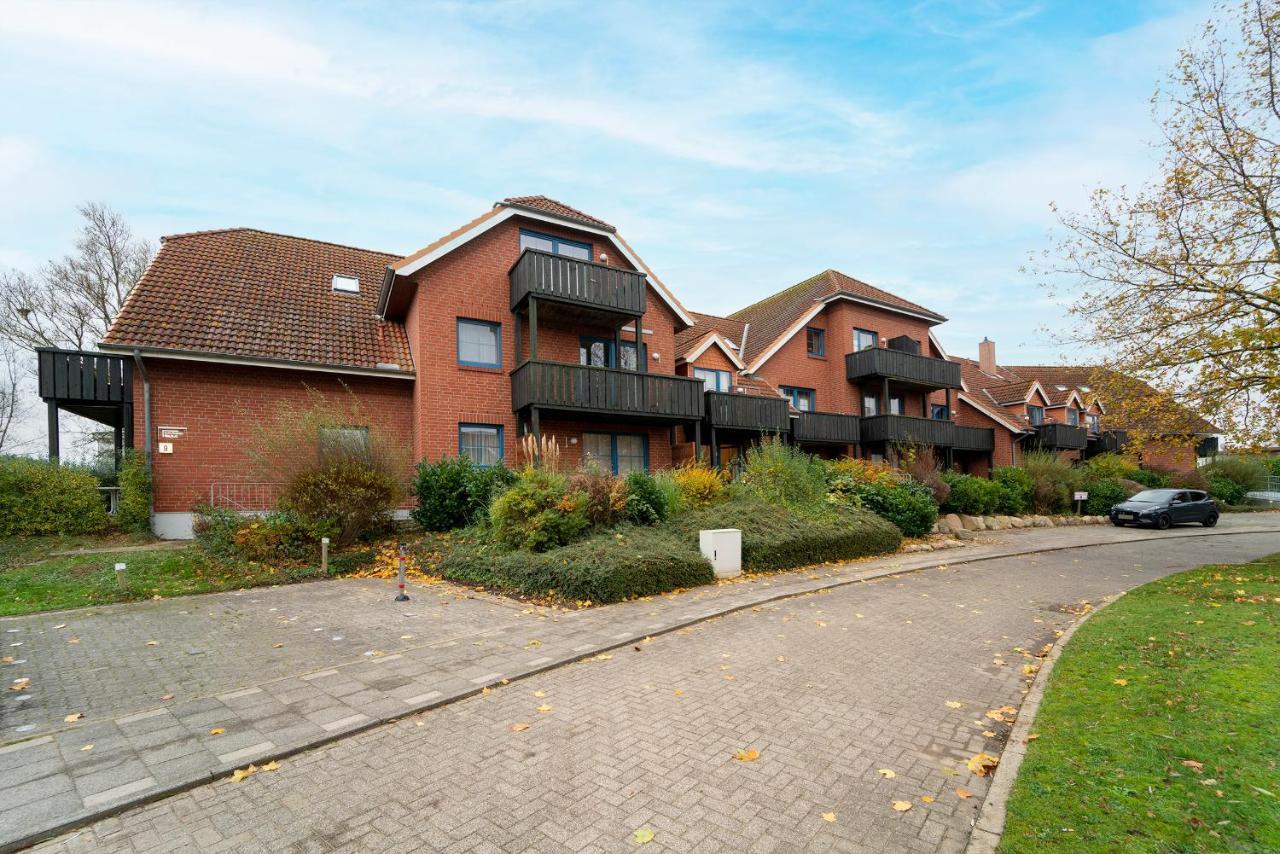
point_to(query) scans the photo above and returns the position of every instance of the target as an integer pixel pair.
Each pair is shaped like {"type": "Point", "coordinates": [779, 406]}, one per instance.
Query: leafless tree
{"type": "Point", "coordinates": [71, 303]}
{"type": "Point", "coordinates": [11, 399]}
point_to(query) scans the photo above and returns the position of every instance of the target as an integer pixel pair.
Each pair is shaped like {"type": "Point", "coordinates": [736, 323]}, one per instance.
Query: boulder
{"type": "Point", "coordinates": [973, 523]}
{"type": "Point", "coordinates": [964, 534]}
{"type": "Point", "coordinates": [1041, 522]}
{"type": "Point", "coordinates": [1017, 522]}
{"type": "Point", "coordinates": [1006, 522]}
{"type": "Point", "coordinates": [952, 521]}
{"type": "Point", "coordinates": [992, 523]}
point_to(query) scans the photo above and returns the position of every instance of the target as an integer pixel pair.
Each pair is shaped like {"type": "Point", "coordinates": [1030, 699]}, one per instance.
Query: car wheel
{"type": "Point", "coordinates": [1164, 522]}
{"type": "Point", "coordinates": [1210, 520]}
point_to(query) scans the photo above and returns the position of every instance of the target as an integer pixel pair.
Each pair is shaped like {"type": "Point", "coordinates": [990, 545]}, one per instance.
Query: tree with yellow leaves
{"type": "Point", "coordinates": [1178, 284]}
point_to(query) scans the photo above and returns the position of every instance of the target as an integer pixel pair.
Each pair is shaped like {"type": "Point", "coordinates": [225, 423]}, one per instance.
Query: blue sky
{"type": "Point", "coordinates": [740, 148]}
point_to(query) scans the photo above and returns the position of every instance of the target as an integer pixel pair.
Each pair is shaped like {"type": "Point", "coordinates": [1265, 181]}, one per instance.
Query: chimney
{"type": "Point", "coordinates": [987, 356]}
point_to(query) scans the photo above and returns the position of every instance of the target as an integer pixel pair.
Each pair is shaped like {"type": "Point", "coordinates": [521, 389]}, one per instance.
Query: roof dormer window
{"type": "Point", "coordinates": [346, 284]}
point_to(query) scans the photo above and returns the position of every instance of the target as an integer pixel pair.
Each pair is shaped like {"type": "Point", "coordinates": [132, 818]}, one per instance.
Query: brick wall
{"type": "Point", "coordinates": [1007, 452]}
{"type": "Point", "coordinates": [222, 407]}
{"type": "Point", "coordinates": [1179, 455]}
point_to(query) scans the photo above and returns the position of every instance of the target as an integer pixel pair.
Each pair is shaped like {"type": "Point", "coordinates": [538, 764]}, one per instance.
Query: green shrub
{"type": "Point", "coordinates": [279, 535]}
{"type": "Point", "coordinates": [647, 501]}
{"type": "Point", "coordinates": [134, 510]}
{"type": "Point", "coordinates": [973, 496]}
{"type": "Point", "coordinates": [1016, 487]}
{"type": "Point", "coordinates": [606, 496]}
{"type": "Point", "coordinates": [485, 483]}
{"type": "Point", "coordinates": [40, 498]}
{"type": "Point", "coordinates": [1151, 478]}
{"type": "Point", "coordinates": [777, 538]}
{"type": "Point", "coordinates": [1110, 465]}
{"type": "Point", "coordinates": [783, 474]}
{"type": "Point", "coordinates": [453, 493]}
{"type": "Point", "coordinates": [215, 530]}
{"type": "Point", "coordinates": [1053, 481]}
{"type": "Point", "coordinates": [344, 494]}
{"type": "Point", "coordinates": [1188, 480]}
{"type": "Point", "coordinates": [1248, 473]}
{"type": "Point", "coordinates": [1273, 465]}
{"type": "Point", "coordinates": [608, 567]}
{"type": "Point", "coordinates": [1103, 493]}
{"type": "Point", "coordinates": [1224, 489]}
{"type": "Point", "coordinates": [920, 465]}
{"type": "Point", "coordinates": [539, 512]}
{"type": "Point", "coordinates": [665, 483]}
{"type": "Point", "coordinates": [907, 504]}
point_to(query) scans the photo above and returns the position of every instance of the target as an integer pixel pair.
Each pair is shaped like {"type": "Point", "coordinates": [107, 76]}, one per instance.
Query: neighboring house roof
{"type": "Point", "coordinates": [1007, 394]}
{"type": "Point", "coordinates": [775, 319]}
{"type": "Point", "coordinates": [689, 339]}
{"type": "Point", "coordinates": [709, 339]}
{"type": "Point", "coordinates": [534, 207]}
{"type": "Point", "coordinates": [1082, 378]}
{"type": "Point", "coordinates": [258, 296]}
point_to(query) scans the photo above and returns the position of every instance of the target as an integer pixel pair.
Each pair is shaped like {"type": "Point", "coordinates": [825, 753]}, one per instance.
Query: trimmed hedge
{"type": "Point", "coordinates": [609, 567]}
{"type": "Point", "coordinates": [973, 496]}
{"type": "Point", "coordinates": [1103, 494]}
{"type": "Point", "coordinates": [41, 498]}
{"type": "Point", "coordinates": [775, 538]}
{"type": "Point", "coordinates": [454, 492]}
{"type": "Point", "coordinates": [908, 505]}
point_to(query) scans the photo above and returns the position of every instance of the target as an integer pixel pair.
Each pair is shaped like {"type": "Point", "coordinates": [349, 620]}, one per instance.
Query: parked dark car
{"type": "Point", "coordinates": [1163, 508]}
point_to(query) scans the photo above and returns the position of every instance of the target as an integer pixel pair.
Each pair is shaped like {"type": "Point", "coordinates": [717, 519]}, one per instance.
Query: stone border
{"type": "Point", "coordinates": [131, 799]}
{"type": "Point", "coordinates": [988, 828]}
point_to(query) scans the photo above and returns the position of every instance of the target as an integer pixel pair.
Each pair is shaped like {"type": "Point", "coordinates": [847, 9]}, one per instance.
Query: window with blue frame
{"type": "Point", "coordinates": [600, 353]}
{"type": "Point", "coordinates": [815, 341]}
{"type": "Point", "coordinates": [629, 361]}
{"type": "Point", "coordinates": [479, 343]}
{"type": "Point", "coordinates": [1035, 414]}
{"type": "Point", "coordinates": [1073, 416]}
{"type": "Point", "coordinates": [557, 245]}
{"type": "Point", "coordinates": [864, 339]}
{"type": "Point", "coordinates": [802, 399]}
{"type": "Point", "coordinates": [712, 379]}
{"type": "Point", "coordinates": [481, 443]}
{"type": "Point", "coordinates": [870, 405]}
{"type": "Point", "coordinates": [618, 453]}
{"type": "Point", "coordinates": [1095, 423]}
{"type": "Point", "coordinates": [938, 412]}
{"type": "Point", "coordinates": [896, 405]}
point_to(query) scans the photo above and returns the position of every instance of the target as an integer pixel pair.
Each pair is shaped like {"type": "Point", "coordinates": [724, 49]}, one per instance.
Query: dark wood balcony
{"type": "Point", "coordinates": [975, 438]}
{"type": "Point", "coordinates": [1107, 442]}
{"type": "Point", "coordinates": [879, 363]}
{"type": "Point", "coordinates": [907, 430]}
{"type": "Point", "coordinates": [729, 411]}
{"type": "Point", "coordinates": [575, 283]}
{"type": "Point", "coordinates": [605, 391]}
{"type": "Point", "coordinates": [92, 385]}
{"type": "Point", "coordinates": [1060, 437]}
{"type": "Point", "coordinates": [827, 427]}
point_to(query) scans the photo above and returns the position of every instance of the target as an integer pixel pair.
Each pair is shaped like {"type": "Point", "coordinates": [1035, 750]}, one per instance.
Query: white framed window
{"type": "Point", "coordinates": [346, 284]}
{"type": "Point", "coordinates": [481, 443]}
{"type": "Point", "coordinates": [712, 379]}
{"type": "Point", "coordinates": [870, 405]}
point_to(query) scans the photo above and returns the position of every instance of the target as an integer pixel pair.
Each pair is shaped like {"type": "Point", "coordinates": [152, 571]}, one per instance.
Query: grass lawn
{"type": "Point", "coordinates": [27, 587]}
{"type": "Point", "coordinates": [1160, 730]}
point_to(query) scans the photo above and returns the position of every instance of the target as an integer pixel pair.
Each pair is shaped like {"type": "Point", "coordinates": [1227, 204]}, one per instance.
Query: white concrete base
{"type": "Point", "coordinates": [173, 526]}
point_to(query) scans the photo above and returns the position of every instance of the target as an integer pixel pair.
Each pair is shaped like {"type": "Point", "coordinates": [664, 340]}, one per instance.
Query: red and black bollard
{"type": "Point", "coordinates": [401, 596]}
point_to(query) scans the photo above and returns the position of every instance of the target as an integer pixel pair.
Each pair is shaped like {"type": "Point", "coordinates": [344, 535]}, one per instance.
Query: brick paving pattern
{"type": "Point", "coordinates": [829, 687]}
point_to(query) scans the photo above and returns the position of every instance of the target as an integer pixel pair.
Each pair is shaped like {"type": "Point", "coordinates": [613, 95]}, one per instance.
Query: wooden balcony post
{"type": "Point", "coordinates": [884, 403]}
{"type": "Point", "coordinates": [536, 426]}
{"type": "Point", "coordinates": [533, 329]}
{"type": "Point", "coordinates": [715, 450]}
{"type": "Point", "coordinates": [697, 442]}
{"type": "Point", "coordinates": [516, 332]}
{"type": "Point", "coordinates": [53, 430]}
{"type": "Point", "coordinates": [642, 364]}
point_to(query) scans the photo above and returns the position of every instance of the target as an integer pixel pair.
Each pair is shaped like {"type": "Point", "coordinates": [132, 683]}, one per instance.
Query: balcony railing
{"type": "Point", "coordinates": [608, 391]}
{"type": "Point", "coordinates": [581, 283]}
{"type": "Point", "coordinates": [830, 427]}
{"type": "Point", "coordinates": [726, 410]}
{"type": "Point", "coordinates": [907, 430]}
{"type": "Point", "coordinates": [1108, 441]}
{"type": "Point", "coordinates": [897, 366]}
{"type": "Point", "coordinates": [1060, 437]}
{"type": "Point", "coordinates": [72, 376]}
{"type": "Point", "coordinates": [975, 438]}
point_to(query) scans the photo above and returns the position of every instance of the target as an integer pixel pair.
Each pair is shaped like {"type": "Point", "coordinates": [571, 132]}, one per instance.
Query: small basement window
{"type": "Point", "coordinates": [346, 284]}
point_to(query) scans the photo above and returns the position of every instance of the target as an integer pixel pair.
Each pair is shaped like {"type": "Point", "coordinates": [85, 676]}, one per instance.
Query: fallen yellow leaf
{"type": "Point", "coordinates": [642, 836]}
{"type": "Point", "coordinates": [166, 697]}
{"type": "Point", "coordinates": [928, 799]}
{"type": "Point", "coordinates": [901, 806]}
{"type": "Point", "coordinates": [1030, 669]}
{"type": "Point", "coordinates": [217, 731]}
{"type": "Point", "coordinates": [954, 704]}
{"type": "Point", "coordinates": [887, 773]}
{"type": "Point", "coordinates": [539, 694]}
{"type": "Point", "coordinates": [153, 643]}
{"type": "Point", "coordinates": [519, 727]}
{"type": "Point", "coordinates": [748, 755]}
{"type": "Point", "coordinates": [544, 708]}
{"type": "Point", "coordinates": [87, 748]}
{"type": "Point", "coordinates": [73, 717]}
{"type": "Point", "coordinates": [964, 793]}
{"type": "Point", "coordinates": [982, 764]}
{"type": "Point", "coordinates": [1120, 682]}
{"type": "Point", "coordinates": [273, 765]}
{"type": "Point", "coordinates": [241, 773]}
{"type": "Point", "coordinates": [678, 692]}
{"type": "Point", "coordinates": [828, 816]}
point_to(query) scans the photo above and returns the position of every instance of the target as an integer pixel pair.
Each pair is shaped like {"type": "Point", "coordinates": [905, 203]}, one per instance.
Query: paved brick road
{"type": "Point", "coordinates": [829, 687]}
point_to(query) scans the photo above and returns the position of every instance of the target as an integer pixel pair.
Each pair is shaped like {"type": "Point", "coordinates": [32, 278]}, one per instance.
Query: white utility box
{"type": "Point", "coordinates": [723, 547]}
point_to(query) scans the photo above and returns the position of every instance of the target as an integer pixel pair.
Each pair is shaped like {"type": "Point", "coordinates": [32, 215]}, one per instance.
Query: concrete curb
{"type": "Point", "coordinates": [916, 563]}
{"type": "Point", "coordinates": [989, 826]}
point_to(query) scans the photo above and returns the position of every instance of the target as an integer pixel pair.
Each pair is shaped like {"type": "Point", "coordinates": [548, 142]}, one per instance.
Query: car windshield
{"type": "Point", "coordinates": [1154, 496]}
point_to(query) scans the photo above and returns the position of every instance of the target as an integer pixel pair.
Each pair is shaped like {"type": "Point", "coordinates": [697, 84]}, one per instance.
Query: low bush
{"type": "Point", "coordinates": [539, 512]}
{"type": "Point", "coordinates": [1225, 489]}
{"type": "Point", "coordinates": [608, 567]}
{"type": "Point", "coordinates": [133, 513]}
{"type": "Point", "coordinates": [1273, 465]}
{"type": "Point", "coordinates": [974, 496]}
{"type": "Point", "coordinates": [278, 535]}
{"type": "Point", "coordinates": [777, 538]}
{"type": "Point", "coordinates": [1016, 487]}
{"type": "Point", "coordinates": [921, 466]}
{"type": "Point", "coordinates": [345, 494]}
{"type": "Point", "coordinates": [647, 502]}
{"type": "Point", "coordinates": [1110, 465]}
{"type": "Point", "coordinates": [1188, 480]}
{"type": "Point", "coordinates": [697, 486]}
{"type": "Point", "coordinates": [42, 498]}
{"type": "Point", "coordinates": [1053, 481]}
{"type": "Point", "coordinates": [454, 492]}
{"type": "Point", "coordinates": [1247, 473]}
{"type": "Point", "coordinates": [855, 470]}
{"type": "Point", "coordinates": [1151, 478]}
{"type": "Point", "coordinates": [606, 496]}
{"type": "Point", "coordinates": [1105, 492]}
{"type": "Point", "coordinates": [784, 475]}
{"type": "Point", "coordinates": [905, 503]}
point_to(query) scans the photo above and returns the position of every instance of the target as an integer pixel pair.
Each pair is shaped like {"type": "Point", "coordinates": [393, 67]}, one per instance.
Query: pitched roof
{"type": "Point", "coordinates": [254, 294]}
{"type": "Point", "coordinates": [1086, 377]}
{"type": "Point", "coordinates": [776, 316]}
{"type": "Point", "coordinates": [1014, 392]}
{"type": "Point", "coordinates": [556, 208]}
{"type": "Point", "coordinates": [687, 339]}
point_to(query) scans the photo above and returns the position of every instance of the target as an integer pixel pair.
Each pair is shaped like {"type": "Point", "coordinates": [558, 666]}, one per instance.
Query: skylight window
{"type": "Point", "coordinates": [1060, 387]}
{"type": "Point", "coordinates": [1085, 389]}
{"type": "Point", "coordinates": [346, 284]}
